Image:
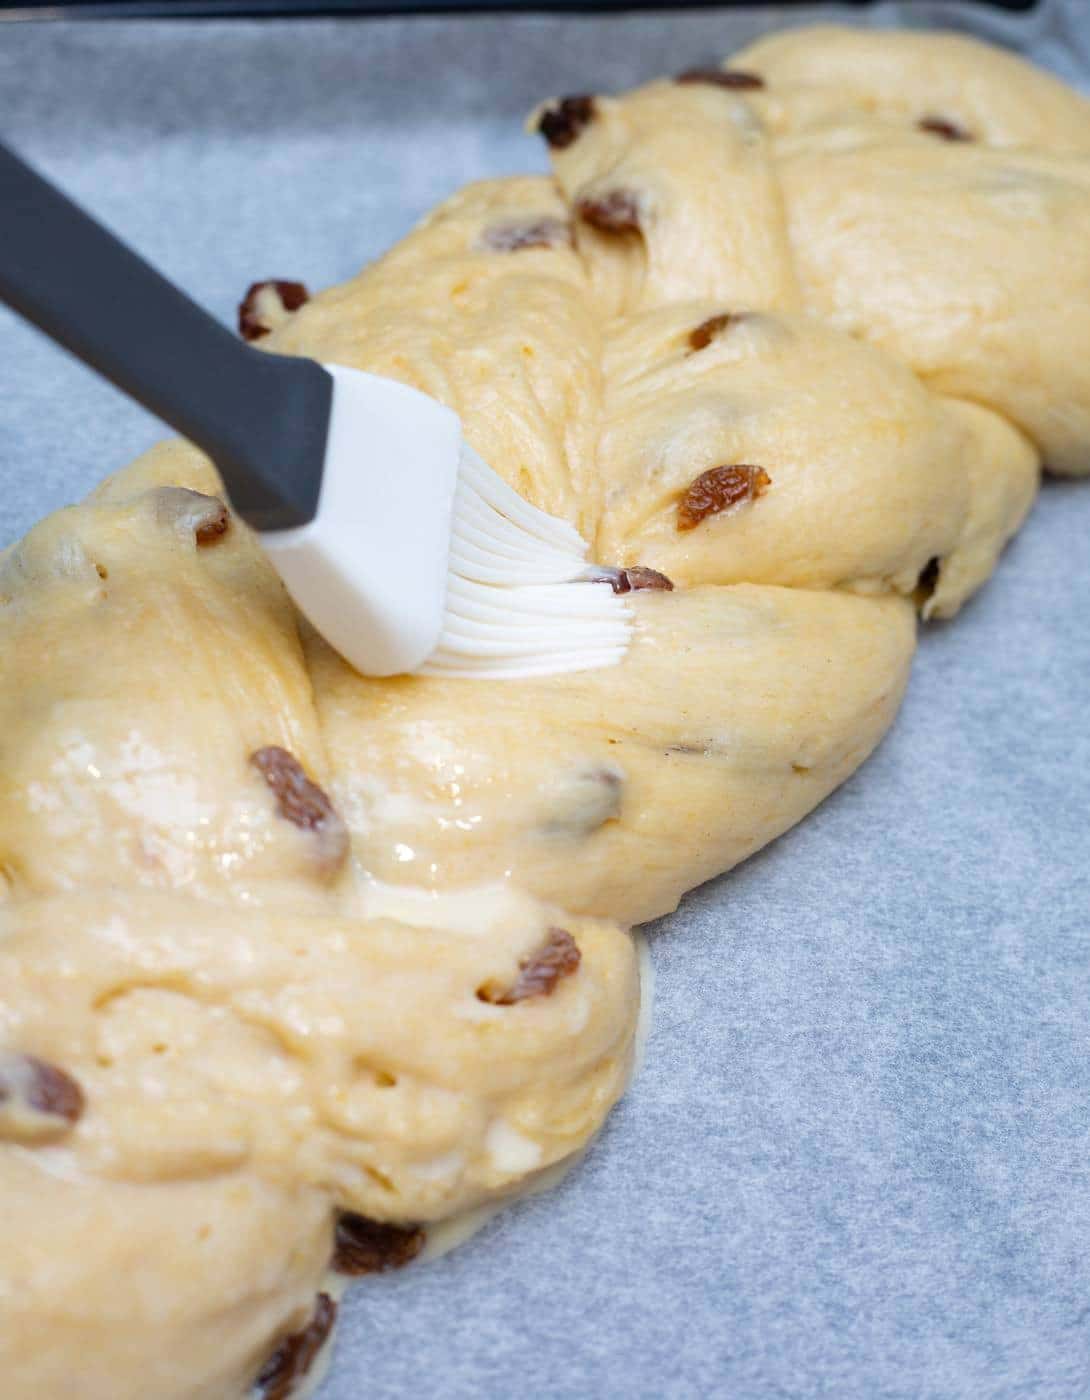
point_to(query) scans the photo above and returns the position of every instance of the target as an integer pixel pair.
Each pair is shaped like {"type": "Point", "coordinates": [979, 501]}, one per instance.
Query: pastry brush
{"type": "Point", "coordinates": [402, 547]}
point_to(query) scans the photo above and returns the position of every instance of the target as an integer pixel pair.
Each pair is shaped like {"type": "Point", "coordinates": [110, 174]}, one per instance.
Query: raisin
{"type": "Point", "coordinates": [364, 1246]}
{"type": "Point", "coordinates": [633, 579]}
{"type": "Point", "coordinates": [700, 337]}
{"type": "Point", "coordinates": [251, 322]}
{"type": "Point", "coordinates": [583, 800]}
{"type": "Point", "coordinates": [944, 128]}
{"type": "Point", "coordinates": [213, 526]}
{"type": "Point", "coordinates": [533, 233]}
{"type": "Point", "coordinates": [615, 212]}
{"type": "Point", "coordinates": [207, 516]}
{"type": "Point", "coordinates": [37, 1100]}
{"type": "Point", "coordinates": [640, 578]}
{"type": "Point", "coordinates": [558, 957]}
{"type": "Point", "coordinates": [299, 799]}
{"type": "Point", "coordinates": [302, 802]}
{"type": "Point", "coordinates": [563, 121]}
{"type": "Point", "coordinates": [719, 489]}
{"type": "Point", "coordinates": [296, 1354]}
{"type": "Point", "coordinates": [738, 79]}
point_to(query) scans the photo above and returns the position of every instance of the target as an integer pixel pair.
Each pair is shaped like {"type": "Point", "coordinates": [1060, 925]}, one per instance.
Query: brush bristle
{"type": "Point", "coordinates": [519, 599]}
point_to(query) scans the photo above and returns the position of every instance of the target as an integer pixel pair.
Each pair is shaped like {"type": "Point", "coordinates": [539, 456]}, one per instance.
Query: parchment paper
{"type": "Point", "coordinates": [855, 1164]}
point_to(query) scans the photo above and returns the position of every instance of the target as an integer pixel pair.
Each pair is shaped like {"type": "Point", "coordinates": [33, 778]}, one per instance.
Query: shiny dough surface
{"type": "Point", "coordinates": [278, 941]}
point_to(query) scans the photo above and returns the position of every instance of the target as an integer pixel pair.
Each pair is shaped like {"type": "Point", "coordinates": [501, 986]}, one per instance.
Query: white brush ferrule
{"type": "Point", "coordinates": [370, 570]}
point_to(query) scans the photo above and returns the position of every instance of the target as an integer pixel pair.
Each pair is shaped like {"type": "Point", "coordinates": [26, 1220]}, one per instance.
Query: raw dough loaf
{"type": "Point", "coordinates": [848, 278]}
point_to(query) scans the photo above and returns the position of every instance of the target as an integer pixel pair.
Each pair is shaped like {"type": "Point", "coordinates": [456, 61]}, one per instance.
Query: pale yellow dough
{"type": "Point", "coordinates": [736, 711]}
{"type": "Point", "coordinates": [270, 1022]}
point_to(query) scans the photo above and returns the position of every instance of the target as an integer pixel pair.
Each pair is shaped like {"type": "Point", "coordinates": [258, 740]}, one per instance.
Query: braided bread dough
{"type": "Point", "coordinates": [278, 999]}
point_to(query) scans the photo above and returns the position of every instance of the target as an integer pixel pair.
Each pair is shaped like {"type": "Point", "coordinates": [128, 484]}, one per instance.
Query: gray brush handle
{"type": "Point", "coordinates": [262, 418]}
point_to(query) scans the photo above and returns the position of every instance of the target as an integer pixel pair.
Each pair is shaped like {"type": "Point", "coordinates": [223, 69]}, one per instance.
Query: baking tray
{"type": "Point", "coordinates": [855, 1163]}
{"type": "Point", "coordinates": [166, 9]}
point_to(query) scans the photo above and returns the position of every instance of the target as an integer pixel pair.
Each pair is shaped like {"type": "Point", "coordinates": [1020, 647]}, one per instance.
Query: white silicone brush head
{"type": "Point", "coordinates": [420, 558]}
{"type": "Point", "coordinates": [519, 601]}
